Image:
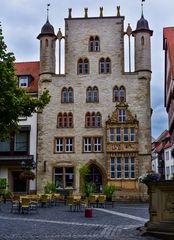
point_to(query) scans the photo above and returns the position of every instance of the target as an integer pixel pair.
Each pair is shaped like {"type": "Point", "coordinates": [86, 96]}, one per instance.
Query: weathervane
{"type": "Point", "coordinates": [48, 5]}
{"type": "Point", "coordinates": [142, 6]}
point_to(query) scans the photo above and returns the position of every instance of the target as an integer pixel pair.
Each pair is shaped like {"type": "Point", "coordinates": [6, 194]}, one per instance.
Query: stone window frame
{"type": "Point", "coordinates": [122, 167]}
{"type": "Point", "coordinates": [94, 44]}
{"type": "Point", "coordinates": [63, 145]}
{"type": "Point", "coordinates": [114, 136]}
{"type": "Point", "coordinates": [83, 66]}
{"type": "Point", "coordinates": [104, 65]}
{"type": "Point", "coordinates": [65, 120]}
{"type": "Point", "coordinates": [92, 144]}
{"type": "Point", "coordinates": [93, 120]}
{"type": "Point", "coordinates": [62, 175]}
{"type": "Point", "coordinates": [119, 94]}
{"type": "Point", "coordinates": [67, 95]}
{"type": "Point", "coordinates": [94, 98]}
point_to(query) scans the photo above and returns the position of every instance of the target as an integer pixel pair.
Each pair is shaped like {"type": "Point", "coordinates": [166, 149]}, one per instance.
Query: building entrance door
{"type": "Point", "coordinates": [95, 177]}
{"type": "Point", "coordinates": [18, 185]}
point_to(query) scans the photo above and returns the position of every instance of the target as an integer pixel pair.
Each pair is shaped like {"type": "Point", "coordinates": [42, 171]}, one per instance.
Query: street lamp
{"type": "Point", "coordinates": [27, 173]}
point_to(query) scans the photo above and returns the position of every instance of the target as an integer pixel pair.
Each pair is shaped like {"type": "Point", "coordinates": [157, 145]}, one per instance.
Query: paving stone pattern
{"type": "Point", "coordinates": [58, 223]}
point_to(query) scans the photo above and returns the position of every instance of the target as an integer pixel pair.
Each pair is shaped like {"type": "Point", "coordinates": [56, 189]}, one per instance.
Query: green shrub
{"type": "Point", "coordinates": [50, 188]}
{"type": "Point", "coordinates": [108, 190]}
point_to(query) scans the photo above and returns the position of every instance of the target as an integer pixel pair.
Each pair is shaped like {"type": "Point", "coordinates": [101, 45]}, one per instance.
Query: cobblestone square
{"type": "Point", "coordinates": [57, 222]}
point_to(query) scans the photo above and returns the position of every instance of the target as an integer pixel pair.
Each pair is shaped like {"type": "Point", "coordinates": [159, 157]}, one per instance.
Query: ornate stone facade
{"type": "Point", "coordinates": [73, 128]}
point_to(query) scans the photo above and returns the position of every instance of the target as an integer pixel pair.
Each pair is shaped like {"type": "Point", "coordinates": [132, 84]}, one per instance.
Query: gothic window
{"type": "Point", "coordinates": [122, 94]}
{"type": "Point", "coordinates": [122, 167]}
{"type": "Point", "coordinates": [91, 44]}
{"type": "Point", "coordinates": [95, 94]}
{"type": "Point", "coordinates": [65, 120]}
{"type": "Point", "coordinates": [83, 66]}
{"type": "Point", "coordinates": [89, 97]}
{"type": "Point", "coordinates": [94, 44]}
{"type": "Point", "coordinates": [104, 65]}
{"type": "Point", "coordinates": [67, 95]}
{"type": "Point", "coordinates": [108, 65]}
{"type": "Point", "coordinates": [93, 119]}
{"type": "Point", "coordinates": [119, 94]}
{"type": "Point", "coordinates": [59, 120]}
{"type": "Point", "coordinates": [70, 94]}
{"type": "Point", "coordinates": [97, 44]}
{"type": "Point", "coordinates": [64, 145]}
{"type": "Point", "coordinates": [115, 94]}
{"type": "Point", "coordinates": [92, 94]}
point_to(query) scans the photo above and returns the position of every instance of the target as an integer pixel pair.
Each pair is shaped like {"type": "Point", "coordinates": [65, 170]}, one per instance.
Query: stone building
{"type": "Point", "coordinates": [99, 114]}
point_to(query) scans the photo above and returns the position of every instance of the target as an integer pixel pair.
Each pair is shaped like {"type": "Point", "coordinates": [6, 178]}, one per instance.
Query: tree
{"type": "Point", "coordinates": [14, 101]}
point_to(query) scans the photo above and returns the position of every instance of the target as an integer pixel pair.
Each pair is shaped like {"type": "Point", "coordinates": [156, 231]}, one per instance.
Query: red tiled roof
{"type": "Point", "coordinates": [168, 35]}
{"type": "Point", "coordinates": [29, 68]}
{"type": "Point", "coordinates": [168, 144]}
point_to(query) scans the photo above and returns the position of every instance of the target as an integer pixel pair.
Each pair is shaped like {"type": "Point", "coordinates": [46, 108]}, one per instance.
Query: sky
{"type": "Point", "coordinates": [22, 20]}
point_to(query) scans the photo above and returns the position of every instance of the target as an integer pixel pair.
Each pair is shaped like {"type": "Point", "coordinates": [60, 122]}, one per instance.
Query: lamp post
{"type": "Point", "coordinates": [27, 173]}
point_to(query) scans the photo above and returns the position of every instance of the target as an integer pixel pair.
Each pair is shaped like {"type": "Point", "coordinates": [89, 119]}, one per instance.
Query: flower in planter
{"type": "Point", "coordinates": [149, 177]}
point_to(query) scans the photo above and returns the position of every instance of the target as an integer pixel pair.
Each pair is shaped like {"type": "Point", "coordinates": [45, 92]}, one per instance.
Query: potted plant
{"type": "Point", "coordinates": [50, 187]}
{"type": "Point", "coordinates": [108, 190]}
{"type": "Point", "coordinates": [149, 177]}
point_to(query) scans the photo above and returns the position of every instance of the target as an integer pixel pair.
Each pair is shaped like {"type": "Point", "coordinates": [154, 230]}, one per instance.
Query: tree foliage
{"type": "Point", "coordinates": [14, 101]}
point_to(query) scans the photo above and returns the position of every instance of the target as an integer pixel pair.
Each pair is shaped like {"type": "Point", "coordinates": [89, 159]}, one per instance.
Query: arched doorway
{"type": "Point", "coordinates": [95, 177]}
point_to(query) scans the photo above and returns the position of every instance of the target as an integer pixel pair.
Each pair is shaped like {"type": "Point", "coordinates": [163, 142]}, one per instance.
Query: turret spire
{"type": "Point", "coordinates": [48, 5]}
{"type": "Point", "coordinates": [142, 7]}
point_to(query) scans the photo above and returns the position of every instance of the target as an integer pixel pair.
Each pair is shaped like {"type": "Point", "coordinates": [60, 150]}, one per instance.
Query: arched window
{"type": "Point", "coordinates": [95, 94]}
{"type": "Point", "coordinates": [104, 65]}
{"type": "Point", "coordinates": [88, 119]}
{"type": "Point", "coordinates": [86, 66]}
{"type": "Point", "coordinates": [64, 95]}
{"type": "Point", "coordinates": [65, 120]}
{"type": "Point", "coordinates": [83, 66]}
{"type": "Point", "coordinates": [122, 94]}
{"type": "Point", "coordinates": [93, 120]}
{"type": "Point", "coordinates": [80, 66]}
{"type": "Point", "coordinates": [108, 65]}
{"type": "Point", "coordinates": [91, 44]}
{"type": "Point", "coordinates": [98, 120]}
{"type": "Point", "coordinates": [70, 120]}
{"type": "Point", "coordinates": [115, 94]}
{"type": "Point", "coordinates": [70, 95]}
{"type": "Point", "coordinates": [59, 120]}
{"type": "Point", "coordinates": [97, 44]}
{"type": "Point", "coordinates": [94, 44]}
{"type": "Point", "coordinates": [89, 94]}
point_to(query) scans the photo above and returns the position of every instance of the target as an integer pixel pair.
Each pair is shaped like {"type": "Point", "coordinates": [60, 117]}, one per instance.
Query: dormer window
{"type": "Point", "coordinates": [23, 81]}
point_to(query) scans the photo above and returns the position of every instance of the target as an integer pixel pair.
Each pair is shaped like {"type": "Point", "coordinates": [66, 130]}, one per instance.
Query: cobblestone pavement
{"type": "Point", "coordinates": [58, 223]}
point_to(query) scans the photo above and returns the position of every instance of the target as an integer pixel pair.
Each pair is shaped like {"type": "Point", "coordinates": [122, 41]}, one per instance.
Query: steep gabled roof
{"type": "Point", "coordinates": [30, 69]}
{"type": "Point", "coordinates": [168, 44]}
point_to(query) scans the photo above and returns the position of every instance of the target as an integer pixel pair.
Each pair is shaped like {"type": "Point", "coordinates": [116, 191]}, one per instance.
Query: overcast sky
{"type": "Point", "coordinates": [22, 21]}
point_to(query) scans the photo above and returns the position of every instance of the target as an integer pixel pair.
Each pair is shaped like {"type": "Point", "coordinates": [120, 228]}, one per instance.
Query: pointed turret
{"type": "Point", "coordinates": [142, 36]}
{"type": "Point", "coordinates": [47, 39]}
